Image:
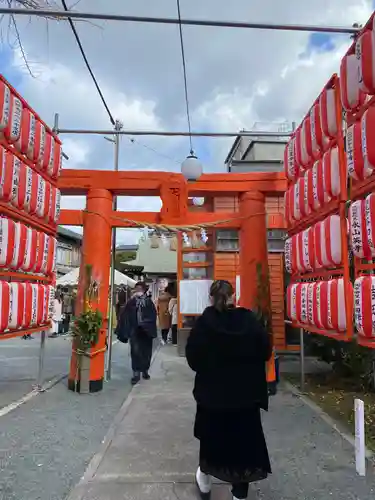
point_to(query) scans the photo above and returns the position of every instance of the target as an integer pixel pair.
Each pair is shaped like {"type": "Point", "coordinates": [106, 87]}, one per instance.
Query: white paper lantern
{"type": "Point", "coordinates": [191, 168]}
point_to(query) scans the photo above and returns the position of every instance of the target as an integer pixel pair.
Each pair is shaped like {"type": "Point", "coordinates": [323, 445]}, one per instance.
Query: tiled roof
{"type": "Point", "coordinates": [155, 260]}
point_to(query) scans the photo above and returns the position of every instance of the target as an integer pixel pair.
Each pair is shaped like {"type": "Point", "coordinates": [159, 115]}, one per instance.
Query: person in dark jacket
{"type": "Point", "coordinates": [121, 301]}
{"type": "Point", "coordinates": [137, 324]}
{"type": "Point", "coordinates": [228, 349]}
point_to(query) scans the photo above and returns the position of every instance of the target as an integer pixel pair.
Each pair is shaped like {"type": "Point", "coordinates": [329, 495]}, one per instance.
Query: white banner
{"type": "Point", "coordinates": [194, 296]}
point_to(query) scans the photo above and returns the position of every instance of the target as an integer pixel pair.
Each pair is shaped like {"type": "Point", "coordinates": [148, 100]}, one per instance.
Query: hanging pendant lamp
{"type": "Point", "coordinates": [191, 167]}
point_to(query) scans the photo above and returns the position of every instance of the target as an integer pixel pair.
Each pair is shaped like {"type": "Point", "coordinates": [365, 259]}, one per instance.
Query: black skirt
{"type": "Point", "coordinates": [232, 445]}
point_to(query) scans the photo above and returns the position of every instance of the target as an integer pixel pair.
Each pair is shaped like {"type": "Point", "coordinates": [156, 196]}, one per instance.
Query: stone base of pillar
{"type": "Point", "coordinates": [182, 336]}
{"type": "Point", "coordinates": [94, 386]}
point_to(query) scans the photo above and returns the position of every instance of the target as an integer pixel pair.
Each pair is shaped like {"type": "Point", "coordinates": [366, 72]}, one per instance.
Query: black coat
{"type": "Point", "coordinates": [228, 351]}
{"type": "Point", "coordinates": [135, 317]}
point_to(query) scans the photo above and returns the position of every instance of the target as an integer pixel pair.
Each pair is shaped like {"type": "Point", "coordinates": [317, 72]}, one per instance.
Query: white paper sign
{"type": "Point", "coordinates": [360, 448]}
{"type": "Point", "coordinates": [194, 296]}
{"type": "Point", "coordinates": [238, 289]}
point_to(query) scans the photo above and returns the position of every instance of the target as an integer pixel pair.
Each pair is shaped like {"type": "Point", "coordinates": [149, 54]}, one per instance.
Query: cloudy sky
{"type": "Point", "coordinates": [236, 78]}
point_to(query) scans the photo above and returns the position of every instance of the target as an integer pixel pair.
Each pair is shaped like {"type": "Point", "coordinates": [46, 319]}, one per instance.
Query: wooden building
{"type": "Point", "coordinates": [219, 259]}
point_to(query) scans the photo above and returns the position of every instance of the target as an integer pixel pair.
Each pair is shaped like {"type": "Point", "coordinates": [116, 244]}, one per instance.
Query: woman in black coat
{"type": "Point", "coordinates": [228, 349]}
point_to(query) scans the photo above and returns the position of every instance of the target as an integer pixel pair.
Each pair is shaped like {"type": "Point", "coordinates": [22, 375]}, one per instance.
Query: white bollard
{"type": "Point", "coordinates": [360, 447]}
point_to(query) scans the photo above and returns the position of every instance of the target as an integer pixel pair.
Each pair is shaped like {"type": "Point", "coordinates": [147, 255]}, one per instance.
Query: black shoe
{"type": "Point", "coordinates": [146, 376]}
{"type": "Point", "coordinates": [135, 379]}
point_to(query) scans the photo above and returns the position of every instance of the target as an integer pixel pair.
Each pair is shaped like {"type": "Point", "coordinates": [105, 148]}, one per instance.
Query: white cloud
{"type": "Point", "coordinates": [235, 77]}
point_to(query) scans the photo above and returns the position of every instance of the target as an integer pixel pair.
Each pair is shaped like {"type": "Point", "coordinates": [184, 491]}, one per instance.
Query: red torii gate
{"type": "Point", "coordinates": [98, 219]}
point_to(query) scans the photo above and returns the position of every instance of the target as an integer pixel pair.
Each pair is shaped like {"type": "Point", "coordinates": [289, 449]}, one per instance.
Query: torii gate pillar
{"type": "Point", "coordinates": [96, 252]}
{"type": "Point", "coordinates": [253, 246]}
{"type": "Point", "coordinates": [254, 263]}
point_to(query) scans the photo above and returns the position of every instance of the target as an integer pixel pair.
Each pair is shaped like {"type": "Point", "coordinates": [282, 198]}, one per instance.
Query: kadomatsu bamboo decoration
{"type": "Point", "coordinates": [86, 330]}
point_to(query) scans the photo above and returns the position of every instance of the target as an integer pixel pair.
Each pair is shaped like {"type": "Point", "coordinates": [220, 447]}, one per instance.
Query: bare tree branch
{"type": "Point", "coordinates": [13, 36]}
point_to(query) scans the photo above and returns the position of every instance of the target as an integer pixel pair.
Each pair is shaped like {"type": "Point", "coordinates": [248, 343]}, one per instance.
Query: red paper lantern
{"type": "Point", "coordinates": [288, 255]}
{"type": "Point", "coordinates": [297, 148]}
{"type": "Point", "coordinates": [51, 262]}
{"type": "Point", "coordinates": [5, 98]}
{"type": "Point", "coordinates": [19, 246]}
{"type": "Point", "coordinates": [370, 221]}
{"type": "Point", "coordinates": [12, 130]}
{"type": "Point", "coordinates": [302, 311]}
{"type": "Point", "coordinates": [40, 139]}
{"type": "Point", "coordinates": [31, 250]}
{"type": "Point", "coordinates": [31, 193]}
{"type": "Point", "coordinates": [331, 172]}
{"type": "Point", "coordinates": [358, 232]}
{"type": "Point", "coordinates": [4, 305]}
{"type": "Point", "coordinates": [332, 241]}
{"type": "Point", "coordinates": [318, 140]}
{"type": "Point", "coordinates": [351, 95]}
{"type": "Point", "coordinates": [305, 250]}
{"type": "Point", "coordinates": [26, 142]}
{"type": "Point", "coordinates": [290, 166]}
{"type": "Point", "coordinates": [292, 302]}
{"type": "Point", "coordinates": [42, 253]}
{"type": "Point", "coordinates": [35, 304]}
{"type": "Point", "coordinates": [7, 241]}
{"type": "Point", "coordinates": [364, 305]}
{"type": "Point", "coordinates": [17, 306]}
{"type": "Point", "coordinates": [328, 115]}
{"type": "Point", "coordinates": [365, 54]}
{"type": "Point", "coordinates": [8, 175]}
{"type": "Point", "coordinates": [336, 305]}
{"type": "Point", "coordinates": [354, 156]}
{"type": "Point", "coordinates": [367, 131]}
{"type": "Point", "coordinates": [28, 293]}
{"type": "Point", "coordinates": [306, 143]}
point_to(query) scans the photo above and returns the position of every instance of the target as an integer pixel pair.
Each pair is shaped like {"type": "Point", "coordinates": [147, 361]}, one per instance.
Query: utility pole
{"type": "Point", "coordinates": [116, 141]}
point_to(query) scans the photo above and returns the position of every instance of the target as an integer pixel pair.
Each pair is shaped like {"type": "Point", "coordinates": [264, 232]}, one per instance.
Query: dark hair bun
{"type": "Point", "coordinates": [221, 291]}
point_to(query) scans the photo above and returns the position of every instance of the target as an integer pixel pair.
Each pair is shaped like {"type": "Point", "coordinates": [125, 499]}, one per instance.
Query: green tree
{"type": "Point", "coordinates": [123, 256]}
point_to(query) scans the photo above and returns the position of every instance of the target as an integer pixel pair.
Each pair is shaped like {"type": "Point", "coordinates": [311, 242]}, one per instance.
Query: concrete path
{"type": "Point", "coordinates": [149, 452]}
{"type": "Point", "coordinates": [47, 443]}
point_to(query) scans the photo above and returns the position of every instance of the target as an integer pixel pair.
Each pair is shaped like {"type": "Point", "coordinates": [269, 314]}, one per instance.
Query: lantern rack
{"type": "Point", "coordinates": [331, 208]}
{"type": "Point", "coordinates": [322, 274]}
{"type": "Point", "coordinates": [26, 105]}
{"type": "Point", "coordinates": [340, 336]}
{"type": "Point", "coordinates": [11, 334]}
{"type": "Point", "coordinates": [336, 206]}
{"type": "Point", "coordinates": [16, 276]}
{"type": "Point", "coordinates": [20, 216]}
{"type": "Point", "coordinates": [11, 149]}
{"type": "Point", "coordinates": [359, 189]}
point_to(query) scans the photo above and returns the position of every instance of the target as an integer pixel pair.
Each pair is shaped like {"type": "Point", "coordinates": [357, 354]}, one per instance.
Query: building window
{"type": "Point", "coordinates": [227, 241]}
{"type": "Point", "coordinates": [276, 240]}
{"type": "Point", "coordinates": [197, 273]}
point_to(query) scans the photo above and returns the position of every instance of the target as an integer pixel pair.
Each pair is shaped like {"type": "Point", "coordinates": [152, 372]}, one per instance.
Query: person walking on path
{"type": "Point", "coordinates": [137, 324]}
{"type": "Point", "coordinates": [57, 316]}
{"type": "Point", "coordinates": [228, 349]}
{"type": "Point", "coordinates": [164, 315]}
{"type": "Point", "coordinates": [173, 311]}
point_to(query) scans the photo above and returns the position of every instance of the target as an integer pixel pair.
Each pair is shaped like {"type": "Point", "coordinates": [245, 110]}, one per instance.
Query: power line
{"type": "Point", "coordinates": [112, 120]}
{"type": "Point", "coordinates": [167, 133]}
{"type": "Point", "coordinates": [134, 141]}
{"type": "Point", "coordinates": [185, 76]}
{"type": "Point", "coordinates": [58, 14]}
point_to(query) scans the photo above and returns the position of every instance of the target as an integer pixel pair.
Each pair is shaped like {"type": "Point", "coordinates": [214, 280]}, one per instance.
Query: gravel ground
{"type": "Point", "coordinates": [47, 443]}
